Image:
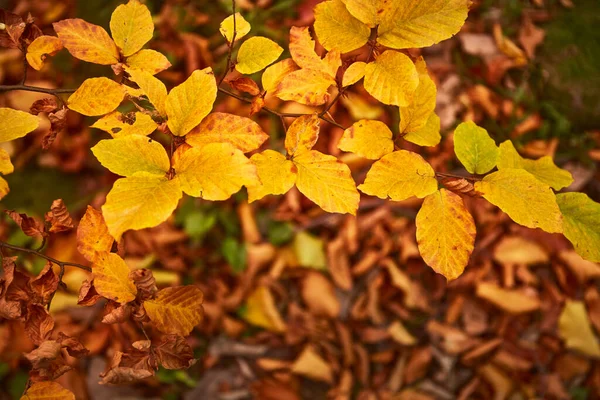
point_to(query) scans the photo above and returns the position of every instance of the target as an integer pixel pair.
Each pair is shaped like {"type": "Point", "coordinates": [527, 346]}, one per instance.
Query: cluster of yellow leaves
{"type": "Point", "coordinates": [15, 124]}
{"type": "Point", "coordinates": [322, 178]}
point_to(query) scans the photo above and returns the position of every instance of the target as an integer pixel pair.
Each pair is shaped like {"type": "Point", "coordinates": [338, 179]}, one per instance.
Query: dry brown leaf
{"type": "Point", "coordinates": [29, 225]}
{"type": "Point", "coordinates": [311, 365]}
{"type": "Point", "coordinates": [512, 301]}
{"type": "Point", "coordinates": [319, 294]}
{"type": "Point", "coordinates": [518, 250]}
{"type": "Point", "coordinates": [173, 352]}
{"type": "Point", "coordinates": [399, 333]}
{"type": "Point", "coordinates": [584, 270]}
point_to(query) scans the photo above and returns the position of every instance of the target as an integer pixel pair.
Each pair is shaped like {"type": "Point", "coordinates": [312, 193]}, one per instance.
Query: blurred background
{"type": "Point", "coordinates": [301, 304]}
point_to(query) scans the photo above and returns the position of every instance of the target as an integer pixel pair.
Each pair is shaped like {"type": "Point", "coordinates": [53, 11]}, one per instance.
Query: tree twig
{"type": "Point", "coordinates": [228, 66]}
{"type": "Point", "coordinates": [61, 264]}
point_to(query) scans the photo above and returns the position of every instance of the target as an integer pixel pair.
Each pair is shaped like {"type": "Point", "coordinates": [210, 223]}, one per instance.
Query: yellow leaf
{"type": "Point", "coordinates": [215, 171]}
{"type": "Point", "coordinates": [416, 115]}
{"type": "Point", "coordinates": [96, 96]}
{"type": "Point", "coordinates": [326, 181]}
{"type": "Point", "coordinates": [372, 12]}
{"type": "Point", "coordinates": [354, 73]}
{"type": "Point", "coordinates": [40, 48]}
{"type": "Point", "coordinates": [445, 233]}
{"type": "Point", "coordinates": [131, 26]}
{"type": "Point", "coordinates": [188, 103]}
{"type": "Point", "coordinates": [242, 27]}
{"type": "Point", "coordinates": [302, 134]}
{"type": "Point", "coordinates": [428, 135]}
{"type": "Point", "coordinates": [140, 201]}
{"type": "Point", "coordinates": [120, 125]}
{"type": "Point", "coordinates": [111, 278]}
{"type": "Point", "coordinates": [509, 300]}
{"type": "Point", "coordinates": [256, 54]}
{"type": "Point", "coordinates": [16, 124]}
{"type": "Point", "coordinates": [337, 28]}
{"type": "Point", "coordinates": [543, 169]}
{"type": "Point", "coordinates": [369, 139]}
{"type": "Point", "coordinates": [311, 365]}
{"type": "Point", "coordinates": [261, 310]}
{"type": "Point", "coordinates": [361, 108]}
{"type": "Point", "coordinates": [273, 75]}
{"type": "Point", "coordinates": [147, 60]}
{"type": "Point", "coordinates": [309, 251]}
{"type": "Point", "coordinates": [574, 328]}
{"type": "Point", "coordinates": [87, 42]}
{"type": "Point", "coordinates": [152, 88]}
{"type": "Point", "coordinates": [241, 132]}
{"type": "Point", "coordinates": [47, 390]}
{"type": "Point", "coordinates": [277, 175]}
{"type": "Point", "coordinates": [4, 189]}
{"type": "Point", "coordinates": [581, 223]}
{"type": "Point", "coordinates": [517, 250]}
{"type": "Point", "coordinates": [400, 175]}
{"type": "Point", "coordinates": [93, 237]}
{"type": "Point", "coordinates": [392, 79]}
{"type": "Point", "coordinates": [130, 154]}
{"type": "Point", "coordinates": [399, 333]}
{"type": "Point", "coordinates": [475, 149]}
{"type": "Point", "coordinates": [6, 166]}
{"type": "Point", "coordinates": [302, 49]}
{"type": "Point", "coordinates": [422, 23]}
{"type": "Point", "coordinates": [305, 86]}
{"type": "Point", "coordinates": [176, 310]}
{"type": "Point", "coordinates": [526, 200]}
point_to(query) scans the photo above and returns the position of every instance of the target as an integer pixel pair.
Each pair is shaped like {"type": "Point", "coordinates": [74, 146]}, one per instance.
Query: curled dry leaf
{"type": "Point", "coordinates": [88, 296]}
{"type": "Point", "coordinates": [173, 352]}
{"type": "Point", "coordinates": [47, 105]}
{"type": "Point", "coordinates": [58, 122]}
{"type": "Point", "coordinates": [59, 218]}
{"type": "Point", "coordinates": [29, 225]}
{"type": "Point", "coordinates": [44, 285]}
{"type": "Point", "coordinates": [246, 85]}
{"type": "Point", "coordinates": [145, 282]}
{"type": "Point", "coordinates": [39, 323]}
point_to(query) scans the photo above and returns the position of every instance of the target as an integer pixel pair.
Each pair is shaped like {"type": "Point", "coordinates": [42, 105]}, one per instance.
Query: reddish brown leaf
{"type": "Point", "coordinates": [58, 122]}
{"type": "Point", "coordinates": [47, 105]}
{"type": "Point", "coordinates": [29, 225]}
{"type": "Point", "coordinates": [257, 104]}
{"type": "Point", "coordinates": [145, 283]}
{"type": "Point", "coordinates": [59, 217]}
{"type": "Point", "coordinates": [117, 314]}
{"type": "Point", "coordinates": [39, 324]}
{"type": "Point", "coordinates": [174, 352]}
{"type": "Point", "coordinates": [88, 296]}
{"type": "Point", "coordinates": [14, 28]}
{"type": "Point", "coordinates": [121, 375]}
{"type": "Point", "coordinates": [44, 285]}
{"type": "Point", "coordinates": [246, 85]}
{"type": "Point", "coordinates": [47, 361]}
{"type": "Point", "coordinates": [74, 347]}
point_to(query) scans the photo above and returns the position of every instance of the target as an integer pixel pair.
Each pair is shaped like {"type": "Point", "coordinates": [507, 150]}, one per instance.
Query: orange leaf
{"type": "Point", "coordinates": [47, 391]}
{"type": "Point", "coordinates": [111, 278]}
{"type": "Point", "coordinates": [92, 235]}
{"type": "Point", "coordinates": [87, 42]}
{"type": "Point", "coordinates": [176, 310]}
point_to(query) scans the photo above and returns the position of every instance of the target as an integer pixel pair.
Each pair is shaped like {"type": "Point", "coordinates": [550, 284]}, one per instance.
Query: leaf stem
{"type": "Point", "coordinates": [228, 66]}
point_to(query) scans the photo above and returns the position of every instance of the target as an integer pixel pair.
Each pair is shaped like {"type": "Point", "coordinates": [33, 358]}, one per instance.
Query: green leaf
{"type": "Point", "coordinates": [475, 149]}
{"type": "Point", "coordinates": [581, 223]}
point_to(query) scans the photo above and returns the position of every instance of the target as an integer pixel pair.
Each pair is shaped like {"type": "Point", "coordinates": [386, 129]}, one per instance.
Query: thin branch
{"type": "Point", "coordinates": [27, 88]}
{"type": "Point", "coordinates": [331, 104]}
{"type": "Point", "coordinates": [228, 67]}
{"type": "Point", "coordinates": [61, 264]}
{"type": "Point", "coordinates": [25, 69]}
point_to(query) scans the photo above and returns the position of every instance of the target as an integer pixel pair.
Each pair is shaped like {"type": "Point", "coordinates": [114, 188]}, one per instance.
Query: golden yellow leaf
{"type": "Point", "coordinates": [111, 278]}
{"type": "Point", "coordinates": [581, 223]}
{"type": "Point", "coordinates": [518, 250]}
{"type": "Point", "coordinates": [176, 310]}
{"type": "Point", "coordinates": [526, 200]}
{"type": "Point", "coordinates": [574, 328]}
{"type": "Point", "coordinates": [47, 390]}
{"type": "Point", "coordinates": [416, 115]}
{"type": "Point", "coordinates": [188, 103]}
{"type": "Point", "coordinates": [302, 49]}
{"type": "Point", "coordinates": [152, 88]}
{"type": "Point", "coordinates": [445, 233]}
{"type": "Point", "coordinates": [369, 139]}
{"type": "Point", "coordinates": [256, 54]}
{"type": "Point", "coordinates": [311, 365]}
{"type": "Point", "coordinates": [87, 42]}
{"type": "Point", "coordinates": [6, 166]}
{"type": "Point", "coordinates": [261, 310]}
{"type": "Point", "coordinates": [276, 175]}
{"type": "Point", "coordinates": [400, 334]}
{"type": "Point", "coordinates": [16, 124]}
{"type": "Point", "coordinates": [241, 132]}
{"type": "Point", "coordinates": [392, 79]}
{"type": "Point", "coordinates": [337, 28]}
{"type": "Point", "coordinates": [215, 171]}
{"type": "Point", "coordinates": [422, 23]}
{"type": "Point", "coordinates": [475, 149]}
{"type": "Point", "coordinates": [130, 154]}
{"type": "Point", "coordinates": [40, 48]}
{"type": "Point", "coordinates": [131, 26]}
{"type": "Point", "coordinates": [305, 86]}
{"type": "Point", "coordinates": [120, 125]}
{"type": "Point", "coordinates": [242, 27]}
{"type": "Point", "coordinates": [428, 135]}
{"type": "Point", "coordinates": [140, 201]}
{"type": "Point", "coordinates": [543, 169]}
{"type": "Point", "coordinates": [93, 237]}
{"type": "Point", "coordinates": [332, 62]}
{"type": "Point", "coordinates": [326, 181]}
{"type": "Point", "coordinates": [361, 108]}
{"type": "Point", "coordinates": [4, 189]}
{"type": "Point", "coordinates": [354, 73]}
{"type": "Point", "coordinates": [147, 60]}
{"type": "Point", "coordinates": [372, 12]}
{"type": "Point", "coordinates": [309, 251]}
{"type": "Point", "coordinates": [509, 300]}
{"type": "Point", "coordinates": [400, 175]}
{"type": "Point", "coordinates": [302, 134]}
{"type": "Point", "coordinates": [96, 96]}
{"type": "Point", "coordinates": [273, 75]}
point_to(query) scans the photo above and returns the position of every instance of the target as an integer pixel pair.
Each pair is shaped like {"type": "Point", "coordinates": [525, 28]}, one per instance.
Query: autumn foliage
{"type": "Point", "coordinates": [213, 155]}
